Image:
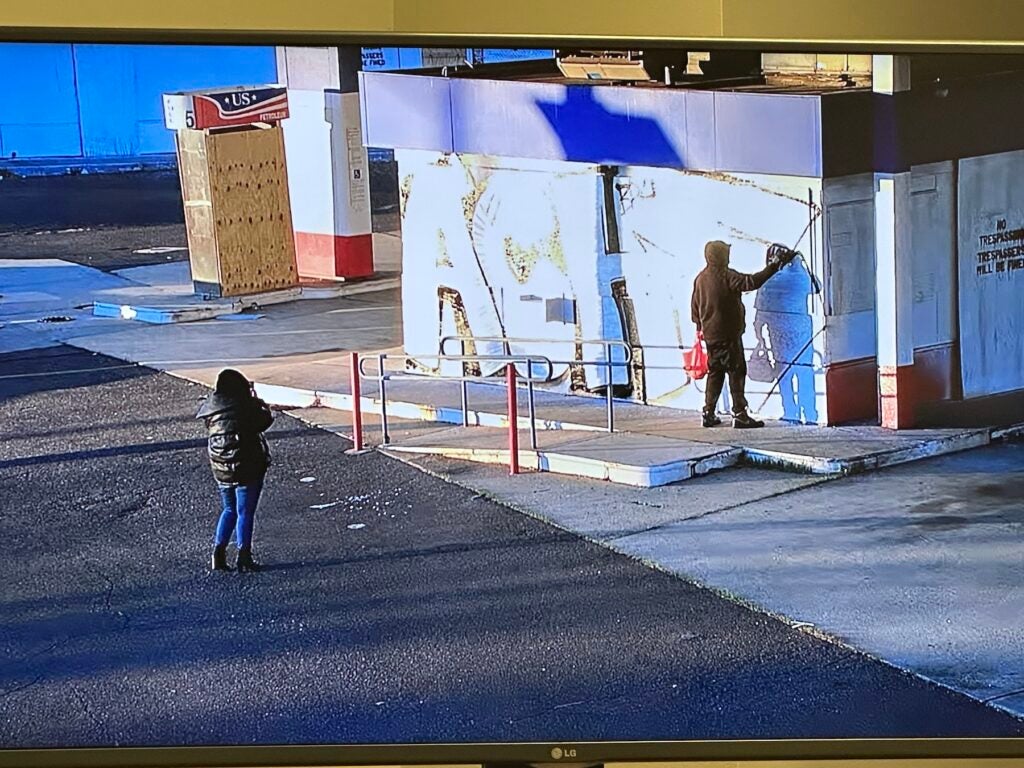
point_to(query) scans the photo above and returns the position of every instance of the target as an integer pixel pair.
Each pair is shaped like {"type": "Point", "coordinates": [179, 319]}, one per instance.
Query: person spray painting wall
{"type": "Point", "coordinates": [665, 218]}
{"type": "Point", "coordinates": [717, 310]}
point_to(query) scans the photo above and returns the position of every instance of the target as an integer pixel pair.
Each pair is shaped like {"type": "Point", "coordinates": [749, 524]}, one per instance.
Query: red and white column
{"type": "Point", "coordinates": [328, 170]}
{"type": "Point", "coordinates": [894, 293]}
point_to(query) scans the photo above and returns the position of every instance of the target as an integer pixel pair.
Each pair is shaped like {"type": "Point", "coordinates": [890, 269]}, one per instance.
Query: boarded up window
{"type": "Point", "coordinates": [851, 258]}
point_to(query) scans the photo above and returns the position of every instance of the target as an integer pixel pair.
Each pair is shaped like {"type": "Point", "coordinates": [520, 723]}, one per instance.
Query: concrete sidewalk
{"type": "Point", "coordinates": [163, 294]}
{"type": "Point", "coordinates": [299, 354]}
{"type": "Point", "coordinates": [800, 448]}
{"type": "Point", "coordinates": [918, 565]}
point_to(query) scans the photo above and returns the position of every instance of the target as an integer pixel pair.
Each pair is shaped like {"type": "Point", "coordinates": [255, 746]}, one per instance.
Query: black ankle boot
{"type": "Point", "coordinates": [710, 419]}
{"type": "Point", "coordinates": [245, 561]}
{"type": "Point", "coordinates": [220, 559]}
{"type": "Point", "coordinates": [745, 421]}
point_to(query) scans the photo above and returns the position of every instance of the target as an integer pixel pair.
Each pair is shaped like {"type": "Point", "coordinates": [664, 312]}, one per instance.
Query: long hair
{"type": "Point", "coordinates": [231, 383]}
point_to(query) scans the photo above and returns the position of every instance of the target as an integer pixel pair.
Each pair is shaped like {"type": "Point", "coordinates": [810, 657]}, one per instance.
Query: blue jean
{"type": "Point", "coordinates": [239, 513]}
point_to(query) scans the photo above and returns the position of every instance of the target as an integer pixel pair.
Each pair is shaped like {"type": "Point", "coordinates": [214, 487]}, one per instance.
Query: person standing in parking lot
{"type": "Point", "coordinates": [235, 420]}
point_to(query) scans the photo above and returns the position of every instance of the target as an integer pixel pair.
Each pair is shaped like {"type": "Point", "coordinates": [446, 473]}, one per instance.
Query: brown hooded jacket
{"type": "Point", "coordinates": [716, 307]}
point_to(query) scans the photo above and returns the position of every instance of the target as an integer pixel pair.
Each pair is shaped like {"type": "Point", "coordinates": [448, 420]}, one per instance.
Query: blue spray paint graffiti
{"type": "Point", "coordinates": [590, 132]}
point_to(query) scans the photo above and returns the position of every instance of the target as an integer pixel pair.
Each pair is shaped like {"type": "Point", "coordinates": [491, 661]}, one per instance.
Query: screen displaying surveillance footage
{"type": "Point", "coordinates": [369, 396]}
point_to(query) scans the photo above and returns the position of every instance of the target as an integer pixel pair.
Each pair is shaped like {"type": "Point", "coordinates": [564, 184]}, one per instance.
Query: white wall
{"type": "Point", "coordinates": [308, 68]}
{"type": "Point", "coordinates": [327, 163]}
{"type": "Point", "coordinates": [509, 235]}
{"type": "Point", "coordinates": [666, 218]}
{"type": "Point", "coordinates": [307, 141]}
{"type": "Point", "coordinates": [991, 195]}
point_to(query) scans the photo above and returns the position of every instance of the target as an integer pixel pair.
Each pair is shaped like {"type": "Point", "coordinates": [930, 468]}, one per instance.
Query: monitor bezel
{"type": "Point", "coordinates": [932, 752]}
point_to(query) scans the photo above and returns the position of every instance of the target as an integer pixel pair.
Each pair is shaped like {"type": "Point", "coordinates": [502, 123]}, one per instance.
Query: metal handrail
{"type": "Point", "coordinates": [606, 343]}
{"type": "Point", "coordinates": [511, 363]}
{"type": "Point", "coordinates": [607, 363]}
{"type": "Point", "coordinates": [383, 376]}
{"type": "Point", "coordinates": [525, 360]}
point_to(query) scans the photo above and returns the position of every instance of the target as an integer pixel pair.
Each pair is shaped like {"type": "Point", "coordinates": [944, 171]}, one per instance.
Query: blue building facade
{"type": "Point", "coordinates": [104, 101]}
{"type": "Point", "coordinates": [68, 104]}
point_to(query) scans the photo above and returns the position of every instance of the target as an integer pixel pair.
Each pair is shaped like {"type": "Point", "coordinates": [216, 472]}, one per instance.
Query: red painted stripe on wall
{"type": "Point", "coordinates": [937, 372]}
{"type": "Point", "coordinates": [897, 387]}
{"type": "Point", "coordinates": [855, 390]}
{"type": "Point", "coordinates": [851, 391]}
{"type": "Point", "coordinates": [334, 256]}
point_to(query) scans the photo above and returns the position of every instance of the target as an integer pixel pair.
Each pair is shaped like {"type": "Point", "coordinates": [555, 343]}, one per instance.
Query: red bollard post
{"type": "Point", "coordinates": [513, 420]}
{"type": "Point", "coordinates": [357, 404]}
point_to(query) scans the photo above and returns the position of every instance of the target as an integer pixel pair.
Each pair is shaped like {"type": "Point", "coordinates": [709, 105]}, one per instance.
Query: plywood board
{"type": "Point", "coordinates": [195, 192]}
{"type": "Point", "coordinates": [252, 214]}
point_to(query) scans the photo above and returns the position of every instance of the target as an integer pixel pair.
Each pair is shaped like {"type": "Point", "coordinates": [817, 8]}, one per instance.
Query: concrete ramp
{"type": "Point", "coordinates": [812, 450]}
{"type": "Point", "coordinates": [642, 461]}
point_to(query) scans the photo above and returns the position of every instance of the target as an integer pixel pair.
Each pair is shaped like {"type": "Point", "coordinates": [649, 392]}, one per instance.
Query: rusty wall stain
{"type": "Point", "coordinates": [631, 332]}
{"type": "Point", "coordinates": [443, 257]}
{"type": "Point", "coordinates": [403, 194]}
{"type": "Point", "coordinates": [736, 181]}
{"type": "Point", "coordinates": [469, 201]}
{"type": "Point", "coordinates": [522, 261]}
{"type": "Point", "coordinates": [452, 298]}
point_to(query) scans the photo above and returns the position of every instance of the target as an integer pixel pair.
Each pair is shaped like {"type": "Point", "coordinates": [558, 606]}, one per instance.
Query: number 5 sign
{"type": "Point", "coordinates": [224, 108]}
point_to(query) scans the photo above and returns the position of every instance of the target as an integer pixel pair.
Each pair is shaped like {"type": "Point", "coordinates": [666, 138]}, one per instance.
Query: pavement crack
{"type": "Point", "coordinates": [86, 707]}
{"type": "Point", "coordinates": [1007, 695]}
{"type": "Point", "coordinates": [720, 510]}
{"type": "Point", "coordinates": [24, 686]}
{"type": "Point", "coordinates": [569, 704]}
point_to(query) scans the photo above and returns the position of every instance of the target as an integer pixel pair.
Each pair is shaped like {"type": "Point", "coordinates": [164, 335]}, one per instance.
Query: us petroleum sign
{"type": "Point", "coordinates": [225, 108]}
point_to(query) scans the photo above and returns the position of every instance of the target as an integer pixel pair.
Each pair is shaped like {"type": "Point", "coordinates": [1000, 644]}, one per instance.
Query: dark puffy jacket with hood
{"type": "Point", "coordinates": [716, 307]}
{"type": "Point", "coordinates": [235, 420]}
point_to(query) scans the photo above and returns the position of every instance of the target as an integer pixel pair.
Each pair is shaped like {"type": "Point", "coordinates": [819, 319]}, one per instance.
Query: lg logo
{"type": "Point", "coordinates": [558, 753]}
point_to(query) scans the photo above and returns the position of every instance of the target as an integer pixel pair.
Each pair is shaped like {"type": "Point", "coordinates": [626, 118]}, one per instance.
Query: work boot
{"type": "Point", "coordinates": [745, 421]}
{"type": "Point", "coordinates": [220, 559]}
{"type": "Point", "coordinates": [710, 419]}
{"type": "Point", "coordinates": [245, 561]}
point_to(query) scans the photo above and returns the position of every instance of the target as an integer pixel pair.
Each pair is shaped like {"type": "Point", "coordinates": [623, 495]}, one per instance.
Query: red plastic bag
{"type": "Point", "coordinates": [695, 360]}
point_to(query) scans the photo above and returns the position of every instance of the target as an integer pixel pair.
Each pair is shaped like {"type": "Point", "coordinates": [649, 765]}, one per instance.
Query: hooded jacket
{"type": "Point", "coordinates": [236, 447]}
{"type": "Point", "coordinates": [716, 306]}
